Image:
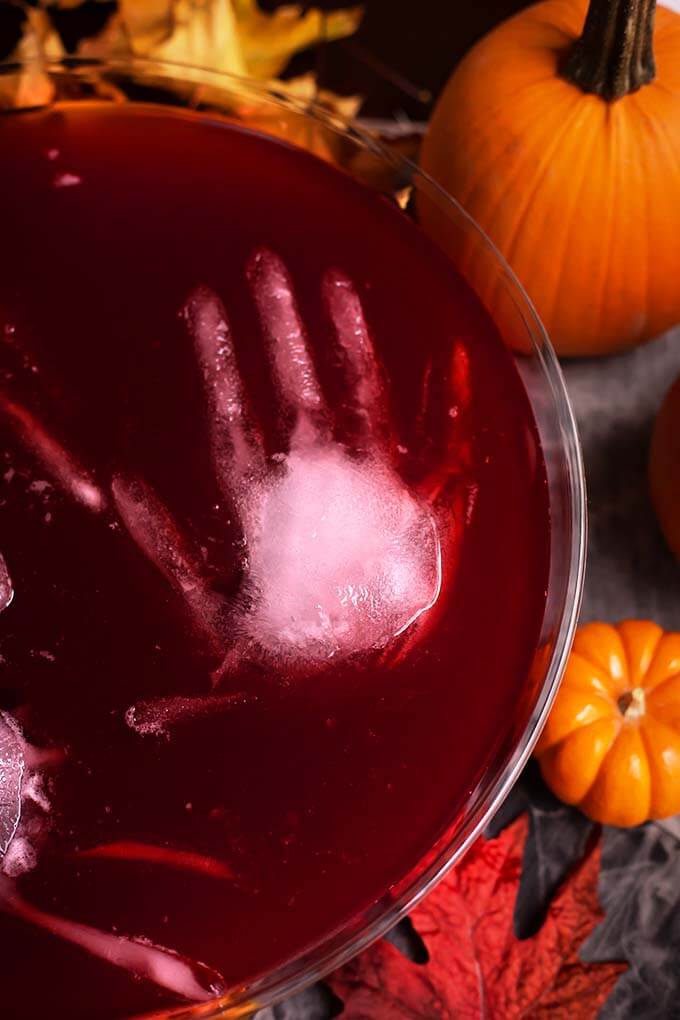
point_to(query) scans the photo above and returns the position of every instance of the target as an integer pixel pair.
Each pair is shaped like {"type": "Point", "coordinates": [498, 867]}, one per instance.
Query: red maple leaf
{"type": "Point", "coordinates": [477, 969]}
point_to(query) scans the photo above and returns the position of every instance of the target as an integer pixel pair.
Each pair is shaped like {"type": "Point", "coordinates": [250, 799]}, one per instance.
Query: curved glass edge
{"type": "Point", "coordinates": [567, 497]}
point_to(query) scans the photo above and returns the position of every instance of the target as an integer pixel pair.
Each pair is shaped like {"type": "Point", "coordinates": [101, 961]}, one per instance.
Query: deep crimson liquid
{"type": "Point", "coordinates": [327, 788]}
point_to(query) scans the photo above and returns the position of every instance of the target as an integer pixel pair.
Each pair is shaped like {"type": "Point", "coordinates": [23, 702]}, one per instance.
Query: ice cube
{"type": "Point", "coordinates": [11, 777]}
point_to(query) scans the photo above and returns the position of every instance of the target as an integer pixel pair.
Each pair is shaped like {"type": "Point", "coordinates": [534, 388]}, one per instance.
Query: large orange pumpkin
{"type": "Point", "coordinates": [565, 148]}
{"type": "Point", "coordinates": [664, 467]}
{"type": "Point", "coordinates": [612, 741]}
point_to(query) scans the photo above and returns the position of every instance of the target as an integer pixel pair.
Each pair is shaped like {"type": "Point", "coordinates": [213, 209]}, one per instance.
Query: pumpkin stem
{"type": "Point", "coordinates": [632, 704]}
{"type": "Point", "coordinates": [615, 54]}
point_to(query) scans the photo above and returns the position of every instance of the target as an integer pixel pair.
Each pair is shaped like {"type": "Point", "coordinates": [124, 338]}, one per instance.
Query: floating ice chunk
{"type": "Point", "coordinates": [11, 778]}
{"type": "Point", "coordinates": [19, 858]}
{"type": "Point", "coordinates": [156, 716]}
{"type": "Point", "coordinates": [6, 589]}
{"type": "Point", "coordinates": [21, 782]}
{"type": "Point", "coordinates": [66, 180]}
{"type": "Point", "coordinates": [342, 556]}
{"type": "Point", "coordinates": [34, 789]}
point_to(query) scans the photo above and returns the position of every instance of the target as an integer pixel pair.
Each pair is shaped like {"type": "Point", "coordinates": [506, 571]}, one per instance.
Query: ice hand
{"type": "Point", "coordinates": [341, 555]}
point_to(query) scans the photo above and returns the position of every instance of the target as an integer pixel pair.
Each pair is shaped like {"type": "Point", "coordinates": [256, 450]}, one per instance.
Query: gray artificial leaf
{"type": "Point", "coordinates": [315, 1003]}
{"type": "Point", "coordinates": [84, 21]}
{"type": "Point", "coordinates": [514, 805]}
{"type": "Point", "coordinates": [556, 842]}
{"type": "Point", "coordinates": [406, 939]}
{"type": "Point", "coordinates": [639, 889]}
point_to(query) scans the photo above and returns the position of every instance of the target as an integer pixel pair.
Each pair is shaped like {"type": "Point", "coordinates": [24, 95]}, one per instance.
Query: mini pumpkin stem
{"type": "Point", "coordinates": [633, 704]}
{"type": "Point", "coordinates": [615, 53]}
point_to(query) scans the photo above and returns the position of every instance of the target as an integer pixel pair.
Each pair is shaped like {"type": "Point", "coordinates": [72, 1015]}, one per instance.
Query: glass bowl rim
{"type": "Point", "coordinates": [333, 950]}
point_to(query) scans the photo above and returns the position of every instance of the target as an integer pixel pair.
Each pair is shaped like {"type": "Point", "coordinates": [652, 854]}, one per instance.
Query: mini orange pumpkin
{"type": "Point", "coordinates": [664, 467]}
{"type": "Point", "coordinates": [562, 140]}
{"type": "Point", "coordinates": [612, 741]}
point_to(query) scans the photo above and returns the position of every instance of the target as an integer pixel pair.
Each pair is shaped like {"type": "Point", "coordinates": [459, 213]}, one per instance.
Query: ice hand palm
{"type": "Point", "coordinates": [342, 556]}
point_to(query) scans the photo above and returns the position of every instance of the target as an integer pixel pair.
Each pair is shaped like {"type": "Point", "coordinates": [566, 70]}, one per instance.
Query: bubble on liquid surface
{"type": "Point", "coordinates": [342, 556]}
{"type": "Point", "coordinates": [11, 777]}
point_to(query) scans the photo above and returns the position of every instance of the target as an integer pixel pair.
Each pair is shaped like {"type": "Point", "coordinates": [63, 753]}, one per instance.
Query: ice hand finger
{"type": "Point", "coordinates": [190, 979]}
{"type": "Point", "coordinates": [361, 363]}
{"type": "Point", "coordinates": [156, 534]}
{"type": "Point", "coordinates": [446, 399]}
{"type": "Point", "coordinates": [236, 447]}
{"type": "Point", "coordinates": [153, 529]}
{"type": "Point", "coordinates": [284, 333]}
{"type": "Point", "coordinates": [64, 469]}
{"type": "Point", "coordinates": [447, 396]}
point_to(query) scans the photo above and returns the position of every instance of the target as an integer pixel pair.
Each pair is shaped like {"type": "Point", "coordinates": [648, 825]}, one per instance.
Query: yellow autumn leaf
{"type": "Point", "coordinates": [233, 36]}
{"type": "Point", "coordinates": [269, 40]}
{"type": "Point", "coordinates": [229, 35]}
{"type": "Point", "coordinates": [31, 86]}
{"type": "Point", "coordinates": [145, 23]}
{"type": "Point", "coordinates": [311, 134]}
{"type": "Point", "coordinates": [203, 34]}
